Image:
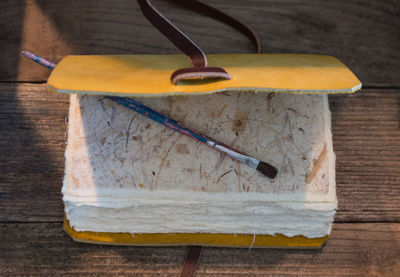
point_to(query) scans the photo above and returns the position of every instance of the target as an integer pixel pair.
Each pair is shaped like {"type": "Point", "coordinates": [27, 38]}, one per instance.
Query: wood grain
{"type": "Point", "coordinates": [45, 249]}
{"type": "Point", "coordinates": [366, 140]}
{"type": "Point", "coordinates": [353, 250]}
{"type": "Point", "coordinates": [32, 143]}
{"type": "Point", "coordinates": [362, 33]}
{"type": "Point", "coordinates": [366, 137]}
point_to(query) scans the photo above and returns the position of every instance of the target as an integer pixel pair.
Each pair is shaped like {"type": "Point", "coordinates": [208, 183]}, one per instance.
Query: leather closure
{"type": "Point", "coordinates": [200, 69]}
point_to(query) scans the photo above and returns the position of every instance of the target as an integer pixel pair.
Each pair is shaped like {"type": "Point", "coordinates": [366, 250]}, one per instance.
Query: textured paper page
{"type": "Point", "coordinates": [111, 146]}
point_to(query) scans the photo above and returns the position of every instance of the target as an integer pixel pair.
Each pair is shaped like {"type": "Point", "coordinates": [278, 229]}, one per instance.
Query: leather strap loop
{"type": "Point", "coordinates": [200, 69]}
{"type": "Point", "coordinates": [199, 72]}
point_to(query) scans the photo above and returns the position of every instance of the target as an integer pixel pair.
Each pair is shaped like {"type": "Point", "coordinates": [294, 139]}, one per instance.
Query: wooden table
{"type": "Point", "coordinates": [366, 131]}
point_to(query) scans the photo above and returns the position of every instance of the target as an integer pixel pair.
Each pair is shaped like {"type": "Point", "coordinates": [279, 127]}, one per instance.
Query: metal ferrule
{"type": "Point", "coordinates": [250, 161]}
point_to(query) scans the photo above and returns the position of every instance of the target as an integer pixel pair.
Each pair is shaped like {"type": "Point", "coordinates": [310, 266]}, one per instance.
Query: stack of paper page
{"type": "Point", "coordinates": [128, 174]}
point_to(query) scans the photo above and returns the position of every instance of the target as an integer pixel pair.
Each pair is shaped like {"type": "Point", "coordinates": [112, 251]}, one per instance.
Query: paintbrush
{"type": "Point", "coordinates": [262, 167]}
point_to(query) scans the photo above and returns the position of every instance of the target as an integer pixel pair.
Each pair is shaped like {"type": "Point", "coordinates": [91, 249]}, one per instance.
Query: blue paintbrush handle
{"type": "Point", "coordinates": [179, 127]}
{"type": "Point", "coordinates": [156, 116]}
{"type": "Point", "coordinates": [39, 60]}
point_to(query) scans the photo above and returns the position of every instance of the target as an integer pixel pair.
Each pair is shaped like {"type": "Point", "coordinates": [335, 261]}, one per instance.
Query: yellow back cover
{"type": "Point", "coordinates": [149, 75]}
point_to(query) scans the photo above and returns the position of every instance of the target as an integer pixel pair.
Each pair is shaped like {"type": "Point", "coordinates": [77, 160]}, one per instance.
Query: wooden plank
{"type": "Point", "coordinates": [366, 140]}
{"type": "Point", "coordinates": [352, 250]}
{"type": "Point", "coordinates": [366, 135]}
{"type": "Point", "coordinates": [363, 34]}
{"type": "Point", "coordinates": [32, 142]}
{"type": "Point", "coordinates": [44, 249]}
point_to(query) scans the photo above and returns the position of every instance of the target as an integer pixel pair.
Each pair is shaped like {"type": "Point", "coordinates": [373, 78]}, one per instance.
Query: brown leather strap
{"type": "Point", "coordinates": [176, 36]}
{"type": "Point", "coordinates": [210, 11]}
{"type": "Point", "coordinates": [200, 70]}
{"type": "Point", "coordinates": [191, 261]}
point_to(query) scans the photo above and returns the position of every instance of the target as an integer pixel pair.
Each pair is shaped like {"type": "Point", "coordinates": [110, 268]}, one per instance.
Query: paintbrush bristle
{"type": "Point", "coordinates": [267, 169]}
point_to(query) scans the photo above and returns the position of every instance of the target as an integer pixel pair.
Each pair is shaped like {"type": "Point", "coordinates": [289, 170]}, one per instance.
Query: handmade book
{"type": "Point", "coordinates": [130, 180]}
